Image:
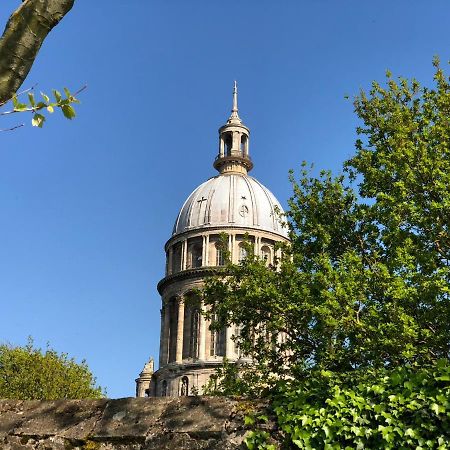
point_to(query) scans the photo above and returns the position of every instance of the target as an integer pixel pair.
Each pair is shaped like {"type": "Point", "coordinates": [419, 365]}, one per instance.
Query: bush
{"type": "Point", "coordinates": [404, 408]}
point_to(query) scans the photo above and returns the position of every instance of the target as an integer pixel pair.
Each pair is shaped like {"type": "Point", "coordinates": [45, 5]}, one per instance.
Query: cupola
{"type": "Point", "coordinates": [233, 143]}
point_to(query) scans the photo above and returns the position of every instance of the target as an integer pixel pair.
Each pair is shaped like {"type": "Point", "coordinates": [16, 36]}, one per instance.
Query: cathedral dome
{"type": "Point", "coordinates": [231, 199]}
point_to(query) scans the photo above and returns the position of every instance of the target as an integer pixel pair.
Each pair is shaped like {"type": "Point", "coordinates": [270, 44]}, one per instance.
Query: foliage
{"type": "Point", "coordinates": [28, 373]}
{"type": "Point", "coordinates": [365, 281]}
{"type": "Point", "coordinates": [407, 407]}
{"type": "Point", "coordinates": [35, 107]}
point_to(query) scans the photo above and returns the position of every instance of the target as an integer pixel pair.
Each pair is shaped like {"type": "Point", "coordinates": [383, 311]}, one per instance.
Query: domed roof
{"type": "Point", "coordinates": [231, 200]}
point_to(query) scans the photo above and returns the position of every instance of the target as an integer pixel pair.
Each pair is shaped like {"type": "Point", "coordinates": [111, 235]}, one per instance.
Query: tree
{"type": "Point", "coordinates": [22, 38]}
{"type": "Point", "coordinates": [28, 373]}
{"type": "Point", "coordinates": [365, 281]}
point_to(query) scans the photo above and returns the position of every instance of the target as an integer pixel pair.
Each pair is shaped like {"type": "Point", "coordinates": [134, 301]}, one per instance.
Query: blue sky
{"type": "Point", "coordinates": [86, 206]}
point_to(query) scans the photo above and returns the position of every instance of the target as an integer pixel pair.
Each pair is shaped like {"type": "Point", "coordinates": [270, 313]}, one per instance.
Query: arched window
{"type": "Point", "coordinates": [266, 254]}
{"type": "Point", "coordinates": [184, 387]}
{"type": "Point", "coordinates": [164, 389]}
{"type": "Point", "coordinates": [195, 330]}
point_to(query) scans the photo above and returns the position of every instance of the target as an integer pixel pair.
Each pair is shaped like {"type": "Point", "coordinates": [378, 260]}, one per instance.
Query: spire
{"type": "Point", "coordinates": [234, 118]}
{"type": "Point", "coordinates": [233, 143]}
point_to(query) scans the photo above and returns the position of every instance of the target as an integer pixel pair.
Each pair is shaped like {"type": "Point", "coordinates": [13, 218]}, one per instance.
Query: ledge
{"type": "Point", "coordinates": [128, 423]}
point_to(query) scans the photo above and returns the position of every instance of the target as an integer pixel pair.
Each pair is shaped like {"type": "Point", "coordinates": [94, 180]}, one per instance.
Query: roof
{"type": "Point", "coordinates": [231, 199]}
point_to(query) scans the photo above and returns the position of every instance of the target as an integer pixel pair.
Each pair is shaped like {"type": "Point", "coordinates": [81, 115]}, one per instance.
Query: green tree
{"type": "Point", "coordinates": [365, 281]}
{"type": "Point", "coordinates": [28, 373]}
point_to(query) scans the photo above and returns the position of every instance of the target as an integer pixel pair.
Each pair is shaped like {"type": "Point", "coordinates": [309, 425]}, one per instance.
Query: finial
{"type": "Point", "coordinates": [234, 112]}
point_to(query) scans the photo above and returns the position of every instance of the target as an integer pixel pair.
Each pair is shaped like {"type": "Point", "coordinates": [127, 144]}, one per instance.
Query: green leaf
{"type": "Point", "coordinates": [50, 108]}
{"type": "Point", "coordinates": [68, 111]}
{"type": "Point", "coordinates": [38, 120]}
{"type": "Point", "coordinates": [57, 95]}
{"type": "Point", "coordinates": [31, 99]}
{"type": "Point", "coordinates": [45, 97]}
{"type": "Point", "coordinates": [249, 420]}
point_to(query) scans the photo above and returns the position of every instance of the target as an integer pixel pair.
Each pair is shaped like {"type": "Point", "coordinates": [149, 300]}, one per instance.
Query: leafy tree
{"type": "Point", "coordinates": [365, 280]}
{"type": "Point", "coordinates": [28, 373]}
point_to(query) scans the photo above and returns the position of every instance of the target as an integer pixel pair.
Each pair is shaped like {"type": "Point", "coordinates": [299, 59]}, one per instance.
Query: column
{"type": "Point", "coordinates": [161, 338]}
{"type": "Point", "coordinates": [206, 247]}
{"type": "Point", "coordinates": [229, 343]}
{"type": "Point", "coordinates": [184, 255]}
{"type": "Point", "coordinates": [180, 329]}
{"type": "Point", "coordinates": [234, 255]}
{"type": "Point", "coordinates": [221, 147]}
{"type": "Point", "coordinates": [257, 246]}
{"type": "Point", "coordinates": [166, 334]}
{"type": "Point", "coordinates": [203, 250]}
{"type": "Point", "coordinates": [202, 336]}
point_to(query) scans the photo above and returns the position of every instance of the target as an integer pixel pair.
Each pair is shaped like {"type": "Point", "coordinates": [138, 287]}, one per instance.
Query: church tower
{"type": "Point", "coordinates": [233, 203]}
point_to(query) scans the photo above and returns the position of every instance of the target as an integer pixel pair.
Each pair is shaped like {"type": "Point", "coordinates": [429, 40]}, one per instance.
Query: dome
{"type": "Point", "coordinates": [231, 200]}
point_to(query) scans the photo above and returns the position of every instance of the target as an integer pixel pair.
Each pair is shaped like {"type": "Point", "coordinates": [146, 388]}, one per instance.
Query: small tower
{"type": "Point", "coordinates": [143, 388]}
{"type": "Point", "coordinates": [233, 143]}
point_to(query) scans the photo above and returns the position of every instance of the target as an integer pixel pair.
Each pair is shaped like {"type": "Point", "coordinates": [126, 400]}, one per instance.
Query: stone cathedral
{"type": "Point", "coordinates": [231, 202]}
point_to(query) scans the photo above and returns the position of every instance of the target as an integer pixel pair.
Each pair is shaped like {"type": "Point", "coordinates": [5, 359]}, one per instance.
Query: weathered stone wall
{"type": "Point", "coordinates": [128, 423]}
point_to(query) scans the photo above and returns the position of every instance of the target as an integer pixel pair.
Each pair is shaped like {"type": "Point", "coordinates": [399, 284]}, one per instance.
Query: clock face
{"type": "Point", "coordinates": [243, 211]}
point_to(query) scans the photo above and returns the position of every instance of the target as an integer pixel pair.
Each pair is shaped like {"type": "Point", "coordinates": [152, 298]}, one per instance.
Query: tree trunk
{"type": "Point", "coordinates": [24, 34]}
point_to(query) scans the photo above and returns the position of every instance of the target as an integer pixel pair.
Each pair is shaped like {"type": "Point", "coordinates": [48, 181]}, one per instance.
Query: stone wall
{"type": "Point", "coordinates": [128, 423]}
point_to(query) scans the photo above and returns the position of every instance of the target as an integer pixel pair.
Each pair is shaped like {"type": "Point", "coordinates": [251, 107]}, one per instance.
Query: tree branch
{"type": "Point", "coordinates": [22, 38]}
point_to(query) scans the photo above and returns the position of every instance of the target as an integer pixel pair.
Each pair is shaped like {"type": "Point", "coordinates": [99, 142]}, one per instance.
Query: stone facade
{"type": "Point", "coordinates": [231, 205]}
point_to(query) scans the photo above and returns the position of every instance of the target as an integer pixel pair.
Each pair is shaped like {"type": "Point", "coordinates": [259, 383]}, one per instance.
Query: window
{"type": "Point", "coordinates": [220, 256]}
{"type": "Point", "coordinates": [194, 341]}
{"type": "Point", "coordinates": [176, 262]}
{"type": "Point", "coordinates": [266, 254]}
{"type": "Point", "coordinates": [172, 310]}
{"type": "Point", "coordinates": [242, 252]}
{"type": "Point", "coordinates": [228, 144]}
{"type": "Point", "coordinates": [217, 347]}
{"type": "Point", "coordinates": [184, 387]}
{"type": "Point", "coordinates": [195, 256]}
{"type": "Point", "coordinates": [164, 389]}
{"type": "Point", "coordinates": [243, 145]}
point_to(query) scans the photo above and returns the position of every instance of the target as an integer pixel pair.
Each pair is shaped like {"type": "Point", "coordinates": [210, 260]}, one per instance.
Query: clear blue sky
{"type": "Point", "coordinates": [86, 206]}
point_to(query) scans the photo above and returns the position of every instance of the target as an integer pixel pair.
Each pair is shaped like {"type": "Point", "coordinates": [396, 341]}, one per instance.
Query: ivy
{"type": "Point", "coordinates": [408, 407]}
